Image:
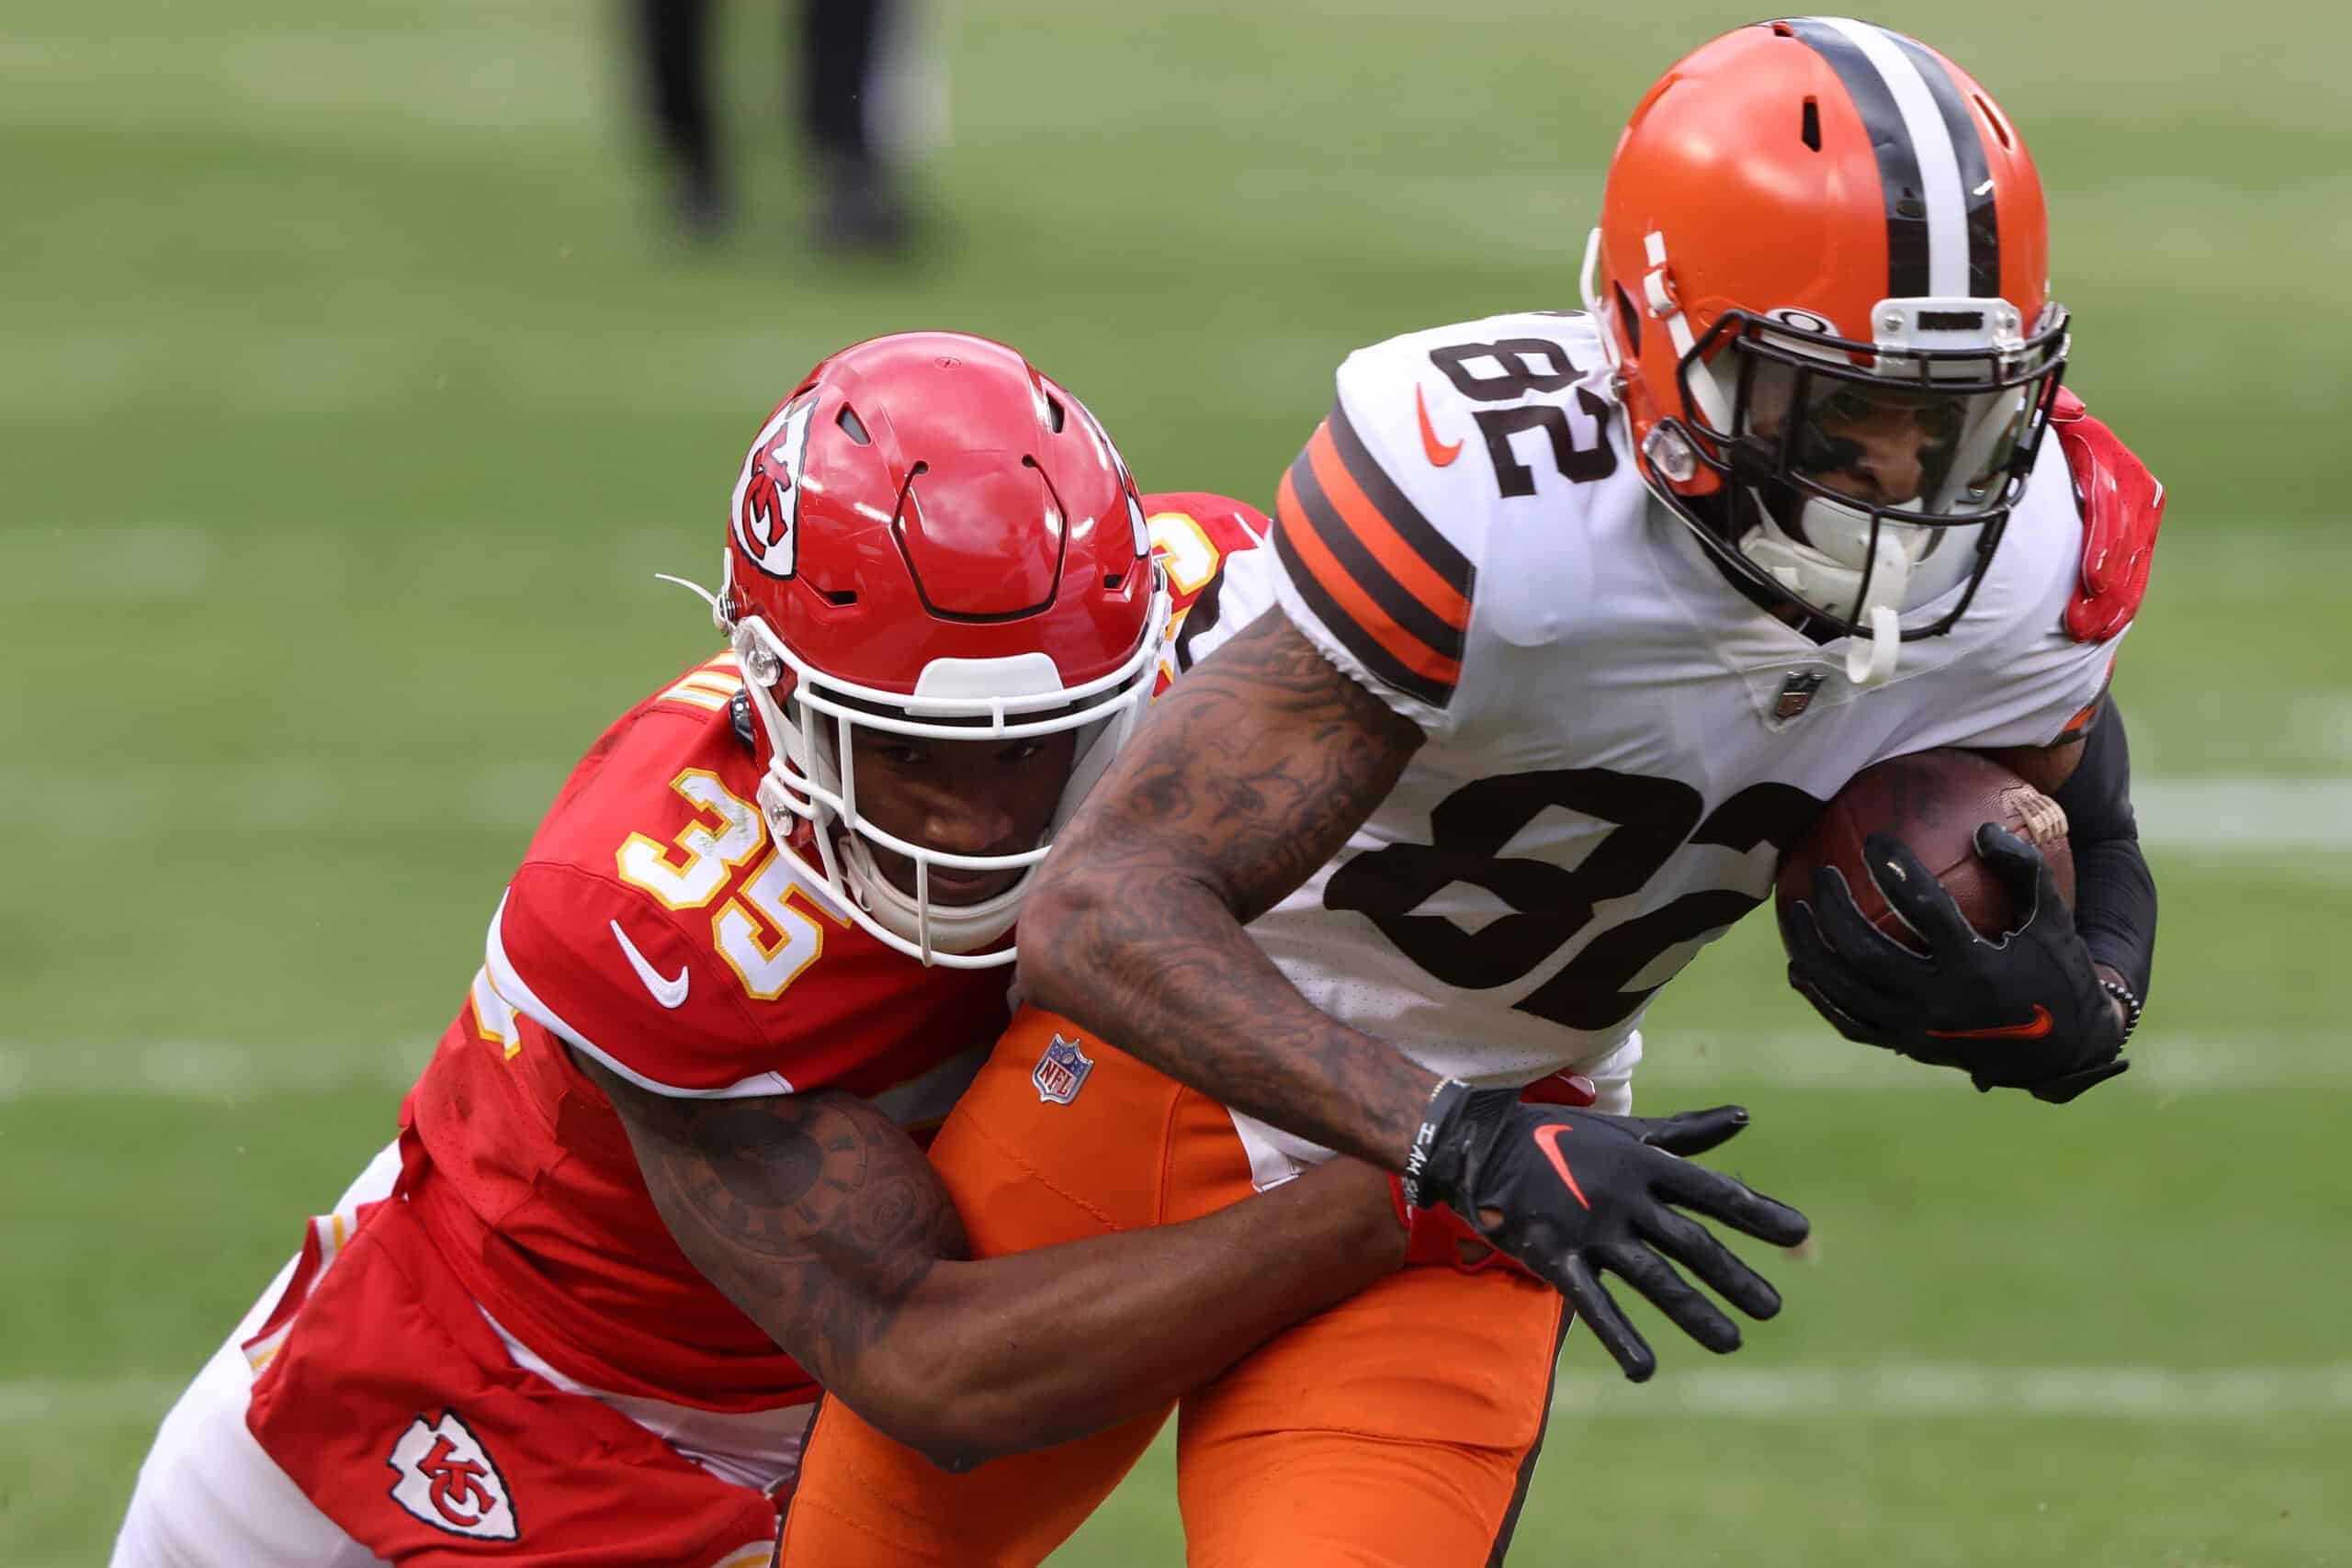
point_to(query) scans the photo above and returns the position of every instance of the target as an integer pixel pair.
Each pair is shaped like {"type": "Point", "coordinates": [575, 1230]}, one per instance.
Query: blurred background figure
{"type": "Point", "coordinates": [844, 70]}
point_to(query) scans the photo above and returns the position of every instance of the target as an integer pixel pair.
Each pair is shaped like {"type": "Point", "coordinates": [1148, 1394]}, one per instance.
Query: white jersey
{"type": "Point", "coordinates": [1620, 741]}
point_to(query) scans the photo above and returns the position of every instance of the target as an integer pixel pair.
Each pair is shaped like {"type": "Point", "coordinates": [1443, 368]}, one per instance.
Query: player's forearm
{"type": "Point", "coordinates": [825, 1226]}
{"type": "Point", "coordinates": [1247, 776]}
{"type": "Point", "coordinates": [1166, 970]}
{"type": "Point", "coordinates": [2115, 893]}
{"type": "Point", "coordinates": [1031, 1349]}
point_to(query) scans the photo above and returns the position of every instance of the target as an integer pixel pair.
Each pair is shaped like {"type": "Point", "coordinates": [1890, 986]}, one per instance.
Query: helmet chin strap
{"type": "Point", "coordinates": [1818, 577]}
{"type": "Point", "coordinates": [943, 927]}
{"type": "Point", "coordinates": [1873, 663]}
{"type": "Point", "coordinates": [848, 860]}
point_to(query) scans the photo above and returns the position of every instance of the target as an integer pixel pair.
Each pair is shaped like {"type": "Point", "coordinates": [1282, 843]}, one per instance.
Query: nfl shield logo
{"type": "Point", "coordinates": [1061, 1072]}
{"type": "Point", "coordinates": [1796, 696]}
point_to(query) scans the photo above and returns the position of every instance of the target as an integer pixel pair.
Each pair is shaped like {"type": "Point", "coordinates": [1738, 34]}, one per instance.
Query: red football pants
{"type": "Point", "coordinates": [390, 1402]}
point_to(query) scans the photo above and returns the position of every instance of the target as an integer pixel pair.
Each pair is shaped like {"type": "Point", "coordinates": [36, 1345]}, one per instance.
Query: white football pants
{"type": "Point", "coordinates": [208, 1495]}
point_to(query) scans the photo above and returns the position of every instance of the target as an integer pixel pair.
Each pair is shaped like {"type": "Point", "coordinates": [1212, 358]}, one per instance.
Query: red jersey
{"type": "Point", "coordinates": [654, 925]}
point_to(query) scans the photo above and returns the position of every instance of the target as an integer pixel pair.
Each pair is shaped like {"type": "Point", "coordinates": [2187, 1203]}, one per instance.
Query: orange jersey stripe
{"type": "Point", "coordinates": [1378, 535]}
{"type": "Point", "coordinates": [2080, 724]}
{"type": "Point", "coordinates": [1408, 650]}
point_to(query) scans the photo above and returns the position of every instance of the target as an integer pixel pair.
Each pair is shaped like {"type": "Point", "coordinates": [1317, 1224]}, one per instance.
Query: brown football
{"type": "Point", "coordinates": [1933, 801]}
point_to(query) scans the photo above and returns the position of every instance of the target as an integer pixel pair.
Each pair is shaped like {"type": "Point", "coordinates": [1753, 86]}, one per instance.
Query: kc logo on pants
{"type": "Point", "coordinates": [447, 1479]}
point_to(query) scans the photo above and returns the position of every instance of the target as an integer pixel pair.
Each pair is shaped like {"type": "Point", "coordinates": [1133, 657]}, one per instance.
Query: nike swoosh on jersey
{"type": "Point", "coordinates": [669, 992]}
{"type": "Point", "coordinates": [1439, 453]}
{"type": "Point", "coordinates": [1548, 1138]}
{"type": "Point", "coordinates": [2033, 1028]}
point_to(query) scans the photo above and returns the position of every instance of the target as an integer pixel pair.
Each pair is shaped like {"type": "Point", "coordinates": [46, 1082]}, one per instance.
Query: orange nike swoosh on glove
{"type": "Point", "coordinates": [1439, 453]}
{"type": "Point", "coordinates": [1548, 1138]}
{"type": "Point", "coordinates": [2034, 1028]}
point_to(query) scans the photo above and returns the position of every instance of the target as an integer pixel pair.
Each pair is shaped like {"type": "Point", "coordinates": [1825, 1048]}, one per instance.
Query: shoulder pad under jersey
{"type": "Point", "coordinates": [1197, 536]}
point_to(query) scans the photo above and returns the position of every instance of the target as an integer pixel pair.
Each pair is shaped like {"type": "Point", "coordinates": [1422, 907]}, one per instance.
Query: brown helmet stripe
{"type": "Point", "coordinates": [1891, 140]}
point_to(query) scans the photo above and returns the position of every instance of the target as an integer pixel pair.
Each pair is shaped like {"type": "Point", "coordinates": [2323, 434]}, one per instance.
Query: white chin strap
{"type": "Point", "coordinates": [939, 928]}
{"type": "Point", "coordinates": [1844, 568]}
{"type": "Point", "coordinates": [955, 934]}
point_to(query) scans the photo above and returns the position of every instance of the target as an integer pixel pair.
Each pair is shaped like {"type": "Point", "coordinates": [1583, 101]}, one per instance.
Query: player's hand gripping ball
{"type": "Point", "coordinates": [1928, 910]}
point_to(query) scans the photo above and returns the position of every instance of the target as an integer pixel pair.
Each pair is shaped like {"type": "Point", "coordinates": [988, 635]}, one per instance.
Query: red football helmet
{"type": "Point", "coordinates": [930, 539]}
{"type": "Point", "coordinates": [1812, 225]}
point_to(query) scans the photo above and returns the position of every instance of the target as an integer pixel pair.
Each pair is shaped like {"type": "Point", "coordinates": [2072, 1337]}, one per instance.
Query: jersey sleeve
{"type": "Point", "coordinates": [610, 972]}
{"type": "Point", "coordinates": [1377, 543]}
{"type": "Point", "coordinates": [1451, 463]}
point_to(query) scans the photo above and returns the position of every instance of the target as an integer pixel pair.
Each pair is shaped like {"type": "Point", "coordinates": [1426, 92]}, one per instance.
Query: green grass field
{"type": "Point", "coordinates": [349, 397]}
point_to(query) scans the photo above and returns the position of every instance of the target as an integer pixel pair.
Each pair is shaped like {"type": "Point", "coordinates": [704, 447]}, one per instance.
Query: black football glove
{"type": "Point", "coordinates": [2026, 1011]}
{"type": "Point", "coordinates": [1570, 1193]}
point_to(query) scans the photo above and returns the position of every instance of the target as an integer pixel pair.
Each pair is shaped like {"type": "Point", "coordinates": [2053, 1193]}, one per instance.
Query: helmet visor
{"type": "Point", "coordinates": [1940, 453]}
{"type": "Point", "coordinates": [1869, 477]}
{"type": "Point", "coordinates": [1928, 436]}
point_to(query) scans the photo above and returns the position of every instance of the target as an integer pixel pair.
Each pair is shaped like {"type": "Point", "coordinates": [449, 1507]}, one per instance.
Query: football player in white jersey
{"type": "Point", "coordinates": [1572, 622]}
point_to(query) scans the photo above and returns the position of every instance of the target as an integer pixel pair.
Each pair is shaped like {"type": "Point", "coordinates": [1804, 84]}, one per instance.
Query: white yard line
{"type": "Point", "coordinates": [86, 1402]}
{"type": "Point", "coordinates": [2144, 1394]}
{"type": "Point", "coordinates": [203, 1069]}
{"type": "Point", "coordinates": [2127, 1392]}
{"type": "Point", "coordinates": [299, 793]}
{"type": "Point", "coordinates": [2257, 812]}
{"type": "Point", "coordinates": [2163, 1065]}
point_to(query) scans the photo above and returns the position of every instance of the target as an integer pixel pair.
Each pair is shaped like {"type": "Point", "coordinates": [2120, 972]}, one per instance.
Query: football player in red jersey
{"type": "Point", "coordinates": [661, 1180]}
{"type": "Point", "coordinates": [1571, 622]}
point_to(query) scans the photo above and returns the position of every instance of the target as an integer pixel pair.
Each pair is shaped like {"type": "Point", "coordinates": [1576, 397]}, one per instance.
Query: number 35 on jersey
{"type": "Point", "coordinates": [769, 929]}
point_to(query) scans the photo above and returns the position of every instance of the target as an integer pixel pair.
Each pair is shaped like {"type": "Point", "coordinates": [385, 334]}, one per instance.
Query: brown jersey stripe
{"type": "Point", "coordinates": [1890, 144]}
{"type": "Point", "coordinates": [1404, 519]}
{"type": "Point", "coordinates": [1350, 614]}
{"type": "Point", "coordinates": [1343, 533]}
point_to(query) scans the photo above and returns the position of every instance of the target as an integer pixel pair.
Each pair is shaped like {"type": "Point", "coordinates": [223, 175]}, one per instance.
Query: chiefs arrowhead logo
{"type": "Point", "coordinates": [447, 1479]}
{"type": "Point", "coordinates": [767, 492]}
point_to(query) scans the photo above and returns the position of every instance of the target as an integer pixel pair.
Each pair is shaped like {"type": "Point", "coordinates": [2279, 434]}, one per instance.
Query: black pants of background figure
{"type": "Point", "coordinates": [833, 52]}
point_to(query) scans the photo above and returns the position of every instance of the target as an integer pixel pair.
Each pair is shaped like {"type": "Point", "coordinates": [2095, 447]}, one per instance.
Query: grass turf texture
{"type": "Point", "coordinates": [350, 395]}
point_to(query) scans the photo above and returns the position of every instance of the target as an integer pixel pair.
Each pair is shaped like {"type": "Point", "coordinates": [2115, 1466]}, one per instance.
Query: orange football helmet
{"type": "Point", "coordinates": [1814, 228]}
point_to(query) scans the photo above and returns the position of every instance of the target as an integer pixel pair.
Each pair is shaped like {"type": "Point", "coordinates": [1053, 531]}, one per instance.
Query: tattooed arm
{"type": "Point", "coordinates": [821, 1219]}
{"type": "Point", "coordinates": [1243, 780]}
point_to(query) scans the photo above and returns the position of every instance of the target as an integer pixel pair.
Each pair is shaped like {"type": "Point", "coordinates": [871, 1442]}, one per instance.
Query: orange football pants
{"type": "Point", "coordinates": [1399, 1429]}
